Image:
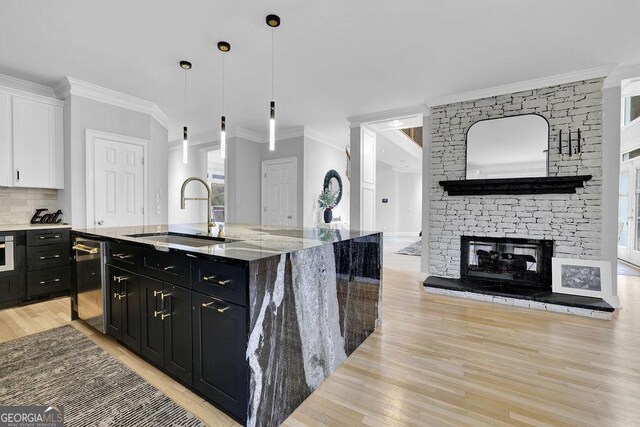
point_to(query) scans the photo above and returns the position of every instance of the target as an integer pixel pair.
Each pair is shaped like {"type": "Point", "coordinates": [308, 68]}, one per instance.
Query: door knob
{"type": "Point", "coordinates": [101, 222]}
{"type": "Point", "coordinates": [289, 217]}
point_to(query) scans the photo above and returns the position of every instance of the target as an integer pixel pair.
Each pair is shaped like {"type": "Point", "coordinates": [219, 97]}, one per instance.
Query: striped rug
{"type": "Point", "coordinates": [63, 367]}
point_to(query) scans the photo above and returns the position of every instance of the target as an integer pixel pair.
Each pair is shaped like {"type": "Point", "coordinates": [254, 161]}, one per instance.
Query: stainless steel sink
{"type": "Point", "coordinates": [182, 239]}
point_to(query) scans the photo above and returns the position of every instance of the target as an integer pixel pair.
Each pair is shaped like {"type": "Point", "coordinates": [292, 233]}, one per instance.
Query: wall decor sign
{"type": "Point", "coordinates": [42, 216]}
{"type": "Point", "coordinates": [581, 277]}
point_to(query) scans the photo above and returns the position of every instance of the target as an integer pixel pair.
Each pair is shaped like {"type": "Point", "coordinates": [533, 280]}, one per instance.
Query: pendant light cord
{"type": "Point", "coordinates": [273, 34]}
{"type": "Point", "coordinates": [223, 83]}
{"type": "Point", "coordinates": [185, 97]}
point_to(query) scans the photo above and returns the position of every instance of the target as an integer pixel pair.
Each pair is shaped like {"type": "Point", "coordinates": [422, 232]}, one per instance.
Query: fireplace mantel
{"type": "Point", "coordinates": [514, 186]}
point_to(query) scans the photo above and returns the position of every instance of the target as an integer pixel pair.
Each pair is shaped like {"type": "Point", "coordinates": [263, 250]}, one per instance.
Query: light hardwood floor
{"type": "Point", "coordinates": [439, 360]}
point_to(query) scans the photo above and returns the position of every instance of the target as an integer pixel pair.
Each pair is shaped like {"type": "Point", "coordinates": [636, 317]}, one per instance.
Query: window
{"type": "Point", "coordinates": [631, 108]}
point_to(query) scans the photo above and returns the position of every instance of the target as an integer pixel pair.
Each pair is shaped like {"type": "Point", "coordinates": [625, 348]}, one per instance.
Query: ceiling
{"type": "Point", "coordinates": [397, 150]}
{"type": "Point", "coordinates": [334, 59]}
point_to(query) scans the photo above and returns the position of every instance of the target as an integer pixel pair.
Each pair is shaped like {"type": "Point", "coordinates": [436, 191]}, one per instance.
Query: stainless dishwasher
{"type": "Point", "coordinates": [91, 282]}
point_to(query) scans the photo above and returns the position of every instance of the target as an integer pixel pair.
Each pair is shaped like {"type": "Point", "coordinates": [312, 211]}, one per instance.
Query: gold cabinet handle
{"type": "Point", "coordinates": [50, 257]}
{"type": "Point", "coordinates": [119, 279]}
{"type": "Point", "coordinates": [156, 313]}
{"type": "Point", "coordinates": [170, 267]}
{"type": "Point", "coordinates": [86, 249]}
{"type": "Point", "coordinates": [212, 305]}
{"type": "Point", "coordinates": [44, 282]}
{"type": "Point", "coordinates": [214, 280]}
{"type": "Point", "coordinates": [122, 256]}
{"type": "Point", "coordinates": [164, 315]}
{"type": "Point", "coordinates": [156, 293]}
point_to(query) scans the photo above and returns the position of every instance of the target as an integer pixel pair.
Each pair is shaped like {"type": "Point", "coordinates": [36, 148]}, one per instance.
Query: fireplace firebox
{"type": "Point", "coordinates": [516, 261]}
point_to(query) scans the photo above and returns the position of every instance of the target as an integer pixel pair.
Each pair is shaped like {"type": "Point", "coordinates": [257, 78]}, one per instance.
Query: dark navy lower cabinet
{"type": "Point", "coordinates": [123, 311]}
{"type": "Point", "coordinates": [177, 332]}
{"type": "Point", "coordinates": [166, 327]}
{"type": "Point", "coordinates": [152, 345]}
{"type": "Point", "coordinates": [219, 347]}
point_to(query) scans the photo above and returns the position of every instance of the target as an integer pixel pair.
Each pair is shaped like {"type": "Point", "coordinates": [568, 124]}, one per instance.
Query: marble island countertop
{"type": "Point", "coordinates": [246, 242]}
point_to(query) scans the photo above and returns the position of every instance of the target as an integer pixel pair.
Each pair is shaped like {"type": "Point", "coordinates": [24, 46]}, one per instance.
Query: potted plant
{"type": "Point", "coordinates": [326, 201]}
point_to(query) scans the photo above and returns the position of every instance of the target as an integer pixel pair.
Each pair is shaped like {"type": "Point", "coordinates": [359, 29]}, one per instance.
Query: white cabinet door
{"type": "Point", "coordinates": [38, 144]}
{"type": "Point", "coordinates": [6, 156]}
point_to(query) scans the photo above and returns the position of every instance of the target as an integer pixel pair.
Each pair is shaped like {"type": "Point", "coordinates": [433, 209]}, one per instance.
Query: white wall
{"type": "Point", "coordinates": [320, 158]}
{"type": "Point", "coordinates": [243, 168]}
{"type": "Point", "coordinates": [82, 114]}
{"type": "Point", "coordinates": [403, 212]}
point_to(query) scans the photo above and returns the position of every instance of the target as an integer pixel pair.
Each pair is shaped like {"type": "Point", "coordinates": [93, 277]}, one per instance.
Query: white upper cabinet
{"type": "Point", "coordinates": [6, 155]}
{"type": "Point", "coordinates": [38, 143]}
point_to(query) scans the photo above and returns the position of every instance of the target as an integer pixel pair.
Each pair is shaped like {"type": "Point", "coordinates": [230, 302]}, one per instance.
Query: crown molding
{"type": "Point", "coordinates": [620, 73]}
{"type": "Point", "coordinates": [396, 113]}
{"type": "Point", "coordinates": [247, 134]}
{"type": "Point", "coordinates": [31, 88]}
{"type": "Point", "coordinates": [574, 76]}
{"type": "Point", "coordinates": [320, 137]}
{"type": "Point", "coordinates": [71, 86]}
{"type": "Point", "coordinates": [213, 138]}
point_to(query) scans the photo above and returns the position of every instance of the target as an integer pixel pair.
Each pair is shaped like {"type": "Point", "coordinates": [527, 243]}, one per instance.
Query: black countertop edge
{"type": "Point", "coordinates": [199, 255]}
{"type": "Point", "coordinates": [531, 293]}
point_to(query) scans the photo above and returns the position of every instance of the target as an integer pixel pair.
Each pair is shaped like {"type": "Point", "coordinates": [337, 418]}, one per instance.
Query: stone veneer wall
{"type": "Point", "coordinates": [17, 205]}
{"type": "Point", "coordinates": [573, 221]}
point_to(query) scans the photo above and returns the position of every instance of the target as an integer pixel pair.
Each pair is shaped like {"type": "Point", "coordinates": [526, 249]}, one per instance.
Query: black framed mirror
{"type": "Point", "coordinates": [514, 146]}
{"type": "Point", "coordinates": [333, 184]}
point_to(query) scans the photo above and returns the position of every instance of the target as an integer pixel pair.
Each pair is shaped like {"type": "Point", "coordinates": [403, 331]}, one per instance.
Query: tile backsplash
{"type": "Point", "coordinates": [17, 205]}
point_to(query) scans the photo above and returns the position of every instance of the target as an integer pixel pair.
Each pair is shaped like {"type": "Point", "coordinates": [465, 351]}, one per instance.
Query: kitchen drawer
{"type": "Point", "coordinates": [12, 287]}
{"type": "Point", "coordinates": [47, 237]}
{"type": "Point", "coordinates": [224, 281]}
{"type": "Point", "coordinates": [166, 266]}
{"type": "Point", "coordinates": [123, 256]}
{"type": "Point", "coordinates": [41, 282]}
{"type": "Point", "coordinates": [50, 256]}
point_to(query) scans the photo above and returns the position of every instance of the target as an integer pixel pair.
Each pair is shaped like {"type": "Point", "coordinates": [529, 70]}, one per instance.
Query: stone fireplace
{"type": "Point", "coordinates": [508, 260]}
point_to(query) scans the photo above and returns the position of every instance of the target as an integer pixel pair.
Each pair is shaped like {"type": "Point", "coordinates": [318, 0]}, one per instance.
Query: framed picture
{"type": "Point", "coordinates": [581, 277]}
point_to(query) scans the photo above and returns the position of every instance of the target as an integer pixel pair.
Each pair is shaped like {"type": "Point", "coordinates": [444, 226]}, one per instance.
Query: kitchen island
{"type": "Point", "coordinates": [254, 322]}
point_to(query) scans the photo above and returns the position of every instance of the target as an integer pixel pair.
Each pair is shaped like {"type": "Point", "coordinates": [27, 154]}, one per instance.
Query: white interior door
{"type": "Point", "coordinates": [279, 192]}
{"type": "Point", "coordinates": [368, 181]}
{"type": "Point", "coordinates": [119, 184]}
{"type": "Point", "coordinates": [624, 213]}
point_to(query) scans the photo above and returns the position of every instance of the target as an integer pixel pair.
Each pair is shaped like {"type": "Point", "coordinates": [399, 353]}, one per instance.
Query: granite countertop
{"type": "Point", "coordinates": [252, 242]}
{"type": "Point", "coordinates": [29, 227]}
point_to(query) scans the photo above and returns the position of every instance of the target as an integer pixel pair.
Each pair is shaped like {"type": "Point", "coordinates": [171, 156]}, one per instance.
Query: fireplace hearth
{"type": "Point", "coordinates": [507, 260]}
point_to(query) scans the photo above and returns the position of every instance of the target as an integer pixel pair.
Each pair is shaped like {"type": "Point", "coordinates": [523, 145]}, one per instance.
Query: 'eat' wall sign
{"type": "Point", "coordinates": [46, 218]}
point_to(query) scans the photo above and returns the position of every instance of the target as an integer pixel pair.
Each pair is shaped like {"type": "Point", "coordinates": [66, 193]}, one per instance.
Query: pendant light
{"type": "Point", "coordinates": [273, 21]}
{"type": "Point", "coordinates": [223, 47]}
{"type": "Point", "coordinates": [186, 66]}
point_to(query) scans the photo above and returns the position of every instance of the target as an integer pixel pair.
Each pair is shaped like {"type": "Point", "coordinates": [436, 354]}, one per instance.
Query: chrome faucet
{"type": "Point", "coordinates": [210, 224]}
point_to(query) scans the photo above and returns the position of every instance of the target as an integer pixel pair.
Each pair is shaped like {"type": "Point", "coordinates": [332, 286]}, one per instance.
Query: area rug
{"type": "Point", "coordinates": [414, 250]}
{"type": "Point", "coordinates": [63, 367]}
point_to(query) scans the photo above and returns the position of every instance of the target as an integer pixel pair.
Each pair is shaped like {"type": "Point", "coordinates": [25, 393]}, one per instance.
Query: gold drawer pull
{"type": "Point", "coordinates": [156, 293]}
{"type": "Point", "coordinates": [214, 280]}
{"type": "Point", "coordinates": [44, 282]}
{"type": "Point", "coordinates": [170, 267]}
{"type": "Point", "coordinates": [119, 279]}
{"type": "Point", "coordinates": [50, 257]}
{"type": "Point", "coordinates": [122, 256]}
{"type": "Point", "coordinates": [212, 305]}
{"type": "Point", "coordinates": [163, 315]}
